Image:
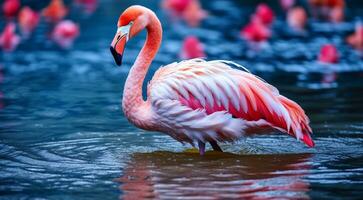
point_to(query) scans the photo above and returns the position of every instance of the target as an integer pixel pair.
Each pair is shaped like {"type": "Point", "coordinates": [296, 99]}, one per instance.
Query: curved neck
{"type": "Point", "coordinates": [134, 107]}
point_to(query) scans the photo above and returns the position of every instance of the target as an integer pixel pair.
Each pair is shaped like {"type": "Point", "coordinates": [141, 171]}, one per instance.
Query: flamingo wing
{"type": "Point", "coordinates": [197, 100]}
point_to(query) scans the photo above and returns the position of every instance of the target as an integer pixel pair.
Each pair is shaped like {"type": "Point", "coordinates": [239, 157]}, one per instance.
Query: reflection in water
{"type": "Point", "coordinates": [165, 175]}
{"type": "Point", "coordinates": [329, 78]}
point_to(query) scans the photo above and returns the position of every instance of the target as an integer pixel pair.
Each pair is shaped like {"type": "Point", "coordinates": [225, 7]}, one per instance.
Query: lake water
{"type": "Point", "coordinates": [64, 136]}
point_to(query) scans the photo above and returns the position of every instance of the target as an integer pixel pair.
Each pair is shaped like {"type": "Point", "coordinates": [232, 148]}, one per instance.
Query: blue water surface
{"type": "Point", "coordinates": [64, 136]}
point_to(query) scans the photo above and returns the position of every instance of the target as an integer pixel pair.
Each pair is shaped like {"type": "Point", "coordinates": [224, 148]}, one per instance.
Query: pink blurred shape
{"type": "Point", "coordinates": [176, 6]}
{"type": "Point", "coordinates": [189, 10]}
{"type": "Point", "coordinates": [331, 10]}
{"type": "Point", "coordinates": [256, 31]}
{"type": "Point", "coordinates": [89, 5]}
{"type": "Point", "coordinates": [296, 18]}
{"type": "Point", "coordinates": [192, 48]}
{"type": "Point", "coordinates": [8, 38]}
{"type": "Point", "coordinates": [11, 7]}
{"type": "Point", "coordinates": [337, 14]}
{"type": "Point", "coordinates": [194, 13]}
{"type": "Point", "coordinates": [356, 39]}
{"type": "Point", "coordinates": [328, 54]}
{"type": "Point", "coordinates": [287, 4]}
{"type": "Point", "coordinates": [264, 13]}
{"type": "Point", "coordinates": [327, 3]}
{"type": "Point", "coordinates": [28, 20]}
{"type": "Point", "coordinates": [55, 11]}
{"type": "Point", "coordinates": [64, 33]}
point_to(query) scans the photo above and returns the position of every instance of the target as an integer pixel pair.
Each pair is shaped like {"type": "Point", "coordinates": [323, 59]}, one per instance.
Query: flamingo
{"type": "Point", "coordinates": [328, 54]}
{"type": "Point", "coordinates": [197, 101]}
{"type": "Point", "coordinates": [265, 14]}
{"type": "Point", "coordinates": [28, 20]}
{"type": "Point", "coordinates": [64, 33]}
{"type": "Point", "coordinates": [194, 13]}
{"type": "Point", "coordinates": [356, 39]}
{"type": "Point", "coordinates": [296, 18]}
{"type": "Point", "coordinates": [9, 40]}
{"type": "Point", "coordinates": [255, 31]}
{"type": "Point", "coordinates": [190, 11]}
{"type": "Point", "coordinates": [192, 48]}
{"type": "Point", "coordinates": [286, 4]}
{"type": "Point", "coordinates": [55, 11]}
{"type": "Point", "coordinates": [176, 6]}
{"type": "Point", "coordinates": [11, 8]}
{"type": "Point", "coordinates": [332, 10]}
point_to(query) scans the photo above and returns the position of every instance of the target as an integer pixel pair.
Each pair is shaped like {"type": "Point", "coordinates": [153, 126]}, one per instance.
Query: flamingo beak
{"type": "Point", "coordinates": [117, 47]}
{"type": "Point", "coordinates": [119, 42]}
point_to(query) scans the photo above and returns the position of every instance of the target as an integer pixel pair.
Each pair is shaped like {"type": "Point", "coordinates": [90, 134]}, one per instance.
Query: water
{"type": "Point", "coordinates": [63, 135]}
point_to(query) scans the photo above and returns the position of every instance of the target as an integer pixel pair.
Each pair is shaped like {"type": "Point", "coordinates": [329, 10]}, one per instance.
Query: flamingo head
{"type": "Point", "coordinates": [131, 22]}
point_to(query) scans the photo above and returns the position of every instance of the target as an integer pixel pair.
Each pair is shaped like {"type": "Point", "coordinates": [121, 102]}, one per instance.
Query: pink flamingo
{"type": "Point", "coordinates": [356, 39]}
{"type": "Point", "coordinates": [176, 6]}
{"type": "Point", "coordinates": [256, 31]}
{"type": "Point", "coordinates": [11, 8]}
{"type": "Point", "coordinates": [328, 54]}
{"type": "Point", "coordinates": [55, 11]}
{"type": "Point", "coordinates": [192, 48]}
{"type": "Point", "coordinates": [9, 40]}
{"type": "Point", "coordinates": [28, 20]}
{"type": "Point", "coordinates": [189, 10]}
{"type": "Point", "coordinates": [65, 33]}
{"type": "Point", "coordinates": [332, 10]}
{"type": "Point", "coordinates": [194, 13]}
{"type": "Point", "coordinates": [287, 4]}
{"type": "Point", "coordinates": [264, 13]}
{"type": "Point", "coordinates": [197, 101]}
{"type": "Point", "coordinates": [296, 18]}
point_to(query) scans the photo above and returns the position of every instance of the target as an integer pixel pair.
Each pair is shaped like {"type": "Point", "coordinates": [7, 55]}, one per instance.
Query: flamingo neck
{"type": "Point", "coordinates": [136, 110]}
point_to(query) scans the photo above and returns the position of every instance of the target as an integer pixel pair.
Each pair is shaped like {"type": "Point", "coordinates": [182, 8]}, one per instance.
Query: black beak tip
{"type": "Point", "coordinates": [116, 56]}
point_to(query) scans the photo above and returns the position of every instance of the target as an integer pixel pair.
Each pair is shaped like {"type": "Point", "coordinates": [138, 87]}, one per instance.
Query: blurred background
{"type": "Point", "coordinates": [63, 134]}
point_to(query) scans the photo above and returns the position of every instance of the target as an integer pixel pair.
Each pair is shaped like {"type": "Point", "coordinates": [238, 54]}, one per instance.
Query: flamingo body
{"type": "Point", "coordinates": [197, 101]}
{"type": "Point", "coordinates": [265, 14]}
{"type": "Point", "coordinates": [332, 10]}
{"type": "Point", "coordinates": [65, 33]}
{"type": "Point", "coordinates": [55, 11]}
{"type": "Point", "coordinates": [356, 39]}
{"type": "Point", "coordinates": [192, 48]}
{"type": "Point", "coordinates": [9, 40]}
{"type": "Point", "coordinates": [255, 31]}
{"type": "Point", "coordinates": [328, 54]}
{"type": "Point", "coordinates": [286, 4]}
{"type": "Point", "coordinates": [28, 20]}
{"type": "Point", "coordinates": [176, 6]}
{"type": "Point", "coordinates": [194, 13]}
{"type": "Point", "coordinates": [296, 18]}
{"type": "Point", "coordinates": [11, 7]}
{"type": "Point", "coordinates": [189, 10]}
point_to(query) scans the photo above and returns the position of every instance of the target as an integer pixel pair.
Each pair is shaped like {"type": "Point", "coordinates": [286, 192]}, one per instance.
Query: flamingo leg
{"type": "Point", "coordinates": [201, 146]}
{"type": "Point", "coordinates": [215, 146]}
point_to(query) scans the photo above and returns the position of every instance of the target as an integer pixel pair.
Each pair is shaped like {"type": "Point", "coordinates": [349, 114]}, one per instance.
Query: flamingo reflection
{"type": "Point", "coordinates": [166, 175]}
